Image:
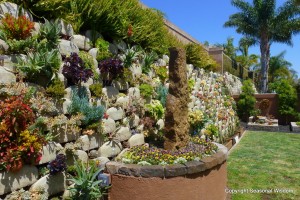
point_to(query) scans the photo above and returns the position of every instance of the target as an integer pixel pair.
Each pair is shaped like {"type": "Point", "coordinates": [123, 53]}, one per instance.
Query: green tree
{"type": "Point", "coordinates": [265, 23]}
{"type": "Point", "coordinates": [229, 48]}
{"type": "Point", "coordinates": [279, 68]}
{"type": "Point", "coordinates": [245, 59]}
{"type": "Point", "coordinates": [287, 97]}
{"type": "Point", "coordinates": [246, 102]}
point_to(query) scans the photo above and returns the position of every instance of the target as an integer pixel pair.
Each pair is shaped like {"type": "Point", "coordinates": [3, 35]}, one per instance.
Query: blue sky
{"type": "Point", "coordinates": [204, 21]}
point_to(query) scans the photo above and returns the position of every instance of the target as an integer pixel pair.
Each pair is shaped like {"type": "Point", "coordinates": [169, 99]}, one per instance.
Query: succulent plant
{"type": "Point", "coordinates": [58, 164]}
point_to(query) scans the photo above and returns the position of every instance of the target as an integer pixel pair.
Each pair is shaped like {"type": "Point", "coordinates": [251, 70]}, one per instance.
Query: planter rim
{"type": "Point", "coordinates": [191, 167]}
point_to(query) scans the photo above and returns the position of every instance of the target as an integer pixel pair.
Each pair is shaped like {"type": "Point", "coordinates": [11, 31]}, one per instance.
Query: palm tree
{"type": "Point", "coordinates": [279, 68]}
{"type": "Point", "coordinates": [265, 23]}
{"type": "Point", "coordinates": [245, 59]}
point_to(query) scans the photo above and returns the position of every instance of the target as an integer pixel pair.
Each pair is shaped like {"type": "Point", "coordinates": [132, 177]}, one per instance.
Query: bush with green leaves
{"type": "Point", "coordinates": [80, 104]}
{"type": "Point", "coordinates": [86, 185]}
{"type": "Point", "coordinates": [145, 25]}
{"type": "Point", "coordinates": [287, 97]}
{"type": "Point", "coordinates": [21, 46]}
{"type": "Point", "coordinates": [199, 57]}
{"type": "Point", "coordinates": [146, 90]}
{"type": "Point", "coordinates": [246, 102]}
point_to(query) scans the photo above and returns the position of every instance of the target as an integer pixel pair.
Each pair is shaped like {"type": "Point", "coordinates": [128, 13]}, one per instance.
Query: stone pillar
{"type": "Point", "coordinates": [176, 118]}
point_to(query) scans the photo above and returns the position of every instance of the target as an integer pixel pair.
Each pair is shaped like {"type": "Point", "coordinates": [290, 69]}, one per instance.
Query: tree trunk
{"type": "Point", "coordinates": [176, 117]}
{"type": "Point", "coordinates": [265, 58]}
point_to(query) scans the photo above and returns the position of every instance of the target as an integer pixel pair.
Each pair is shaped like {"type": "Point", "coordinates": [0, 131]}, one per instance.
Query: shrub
{"type": "Point", "coordinates": [16, 28]}
{"type": "Point", "coordinates": [246, 102]}
{"type": "Point", "coordinates": [146, 90]}
{"type": "Point", "coordinates": [198, 56]}
{"type": "Point", "coordinates": [80, 104]}
{"type": "Point", "coordinates": [75, 71]}
{"type": "Point", "coordinates": [162, 93]}
{"type": "Point", "coordinates": [17, 144]}
{"type": "Point", "coordinates": [96, 89]}
{"type": "Point", "coordinates": [21, 46]}
{"type": "Point", "coordinates": [287, 97]}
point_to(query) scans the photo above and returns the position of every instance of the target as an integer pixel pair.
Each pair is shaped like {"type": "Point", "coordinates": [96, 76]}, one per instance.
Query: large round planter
{"type": "Point", "coordinates": [195, 180]}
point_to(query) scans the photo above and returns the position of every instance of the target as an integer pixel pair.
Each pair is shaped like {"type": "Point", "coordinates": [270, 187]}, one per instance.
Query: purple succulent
{"type": "Point", "coordinates": [112, 68]}
{"type": "Point", "coordinates": [74, 70]}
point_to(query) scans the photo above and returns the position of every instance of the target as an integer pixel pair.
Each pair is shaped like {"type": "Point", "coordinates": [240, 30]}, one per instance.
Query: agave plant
{"type": "Point", "coordinates": [86, 185]}
{"type": "Point", "coordinates": [50, 31]}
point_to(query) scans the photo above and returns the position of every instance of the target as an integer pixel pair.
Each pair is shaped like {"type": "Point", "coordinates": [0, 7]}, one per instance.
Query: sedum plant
{"type": "Point", "coordinates": [146, 90]}
{"type": "Point", "coordinates": [155, 109]}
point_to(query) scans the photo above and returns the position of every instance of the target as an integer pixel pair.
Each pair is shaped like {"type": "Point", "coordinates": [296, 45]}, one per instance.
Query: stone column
{"type": "Point", "coordinates": [176, 118]}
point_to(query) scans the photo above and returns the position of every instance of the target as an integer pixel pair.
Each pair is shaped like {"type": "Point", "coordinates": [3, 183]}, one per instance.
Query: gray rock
{"type": "Point", "coordinates": [7, 77]}
{"type": "Point", "coordinates": [76, 155]}
{"type": "Point", "coordinates": [110, 149]}
{"type": "Point", "coordinates": [123, 134]}
{"type": "Point", "coordinates": [132, 122]}
{"type": "Point", "coordinates": [65, 133]}
{"type": "Point", "coordinates": [82, 42]}
{"type": "Point", "coordinates": [120, 155]}
{"type": "Point", "coordinates": [11, 181]}
{"type": "Point", "coordinates": [89, 82]}
{"type": "Point", "coordinates": [101, 161]}
{"type": "Point", "coordinates": [161, 124]}
{"type": "Point", "coordinates": [89, 142]}
{"type": "Point", "coordinates": [66, 29]}
{"type": "Point", "coordinates": [109, 125]}
{"type": "Point", "coordinates": [123, 101]}
{"type": "Point", "coordinates": [3, 45]}
{"type": "Point", "coordinates": [66, 47]}
{"type": "Point", "coordinates": [14, 9]}
{"type": "Point", "coordinates": [166, 58]}
{"type": "Point", "coordinates": [62, 78]}
{"type": "Point", "coordinates": [136, 70]}
{"type": "Point", "coordinates": [110, 92]}
{"type": "Point", "coordinates": [136, 140]}
{"type": "Point", "coordinates": [92, 35]}
{"type": "Point", "coordinates": [66, 104]}
{"type": "Point", "coordinates": [37, 28]}
{"type": "Point", "coordinates": [161, 63]}
{"type": "Point", "coordinates": [134, 93]}
{"type": "Point", "coordinates": [115, 113]}
{"type": "Point", "coordinates": [113, 49]}
{"type": "Point", "coordinates": [52, 184]}
{"type": "Point", "coordinates": [121, 85]}
{"type": "Point", "coordinates": [93, 154]}
{"type": "Point", "coordinates": [93, 52]}
{"type": "Point", "coordinates": [50, 151]}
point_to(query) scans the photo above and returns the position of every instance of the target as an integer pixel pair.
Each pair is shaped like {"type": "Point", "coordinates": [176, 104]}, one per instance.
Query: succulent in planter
{"type": "Point", "coordinates": [75, 71]}
{"type": "Point", "coordinates": [110, 69]}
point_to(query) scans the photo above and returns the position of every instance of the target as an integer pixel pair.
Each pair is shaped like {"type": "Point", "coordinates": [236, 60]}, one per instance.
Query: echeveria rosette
{"type": "Point", "coordinates": [74, 70]}
{"type": "Point", "coordinates": [112, 68]}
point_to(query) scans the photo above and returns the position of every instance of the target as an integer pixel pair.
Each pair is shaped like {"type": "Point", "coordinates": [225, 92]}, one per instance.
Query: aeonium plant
{"type": "Point", "coordinates": [111, 68]}
{"type": "Point", "coordinates": [75, 71]}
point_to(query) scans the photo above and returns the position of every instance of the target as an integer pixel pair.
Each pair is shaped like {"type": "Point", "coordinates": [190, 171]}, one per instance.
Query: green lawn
{"type": "Point", "coordinates": [264, 160]}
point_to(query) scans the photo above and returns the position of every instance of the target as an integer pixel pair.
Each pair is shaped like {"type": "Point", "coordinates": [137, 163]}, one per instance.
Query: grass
{"type": "Point", "coordinates": [264, 160]}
